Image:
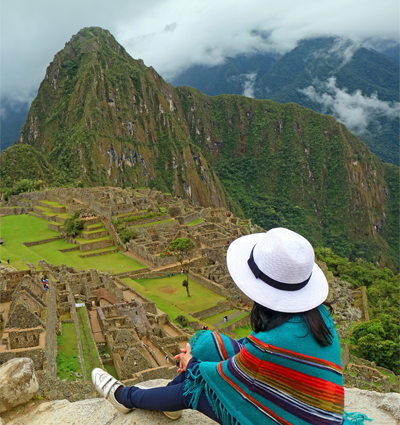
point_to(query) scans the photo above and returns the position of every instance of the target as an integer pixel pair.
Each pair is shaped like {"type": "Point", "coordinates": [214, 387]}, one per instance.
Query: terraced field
{"type": "Point", "coordinates": [16, 229]}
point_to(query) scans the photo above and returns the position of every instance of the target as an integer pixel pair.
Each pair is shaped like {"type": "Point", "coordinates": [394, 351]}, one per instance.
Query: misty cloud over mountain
{"type": "Point", "coordinates": [352, 109]}
{"type": "Point", "coordinates": [172, 35]}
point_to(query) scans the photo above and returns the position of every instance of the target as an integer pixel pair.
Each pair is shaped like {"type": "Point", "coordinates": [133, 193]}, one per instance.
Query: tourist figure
{"type": "Point", "coordinates": [167, 358]}
{"type": "Point", "coordinates": [172, 274]}
{"type": "Point", "coordinates": [8, 261]}
{"type": "Point", "coordinates": [181, 270]}
{"type": "Point", "coordinates": [292, 357]}
{"type": "Point", "coordinates": [169, 275]}
{"type": "Point", "coordinates": [225, 319]}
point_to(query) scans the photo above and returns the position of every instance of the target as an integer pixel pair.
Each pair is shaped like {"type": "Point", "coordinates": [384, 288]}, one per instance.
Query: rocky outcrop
{"type": "Point", "coordinates": [383, 408]}
{"type": "Point", "coordinates": [18, 383]}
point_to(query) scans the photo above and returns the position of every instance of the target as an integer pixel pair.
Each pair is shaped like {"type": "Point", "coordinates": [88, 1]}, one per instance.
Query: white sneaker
{"type": "Point", "coordinates": [106, 385]}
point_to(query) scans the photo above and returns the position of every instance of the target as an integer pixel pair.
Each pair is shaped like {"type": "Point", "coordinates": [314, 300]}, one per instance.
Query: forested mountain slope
{"type": "Point", "coordinates": [106, 119]}
{"type": "Point", "coordinates": [332, 67]}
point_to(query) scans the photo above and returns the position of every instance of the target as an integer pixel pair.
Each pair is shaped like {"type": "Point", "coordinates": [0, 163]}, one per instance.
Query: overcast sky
{"type": "Point", "coordinates": [171, 35]}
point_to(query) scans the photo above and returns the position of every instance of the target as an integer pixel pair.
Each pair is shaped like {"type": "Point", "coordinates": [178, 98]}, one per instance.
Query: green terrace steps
{"type": "Point", "coordinates": [90, 221]}
{"type": "Point", "coordinates": [57, 227]}
{"type": "Point", "coordinates": [55, 207]}
{"type": "Point", "coordinates": [88, 245]}
{"type": "Point", "coordinates": [95, 234]}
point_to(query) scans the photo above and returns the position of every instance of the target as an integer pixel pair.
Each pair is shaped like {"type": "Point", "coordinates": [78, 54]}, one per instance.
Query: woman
{"type": "Point", "coordinates": [287, 371]}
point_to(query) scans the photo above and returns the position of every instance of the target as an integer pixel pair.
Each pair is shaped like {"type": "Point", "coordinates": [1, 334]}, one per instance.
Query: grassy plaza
{"type": "Point", "coordinates": [172, 290]}
{"type": "Point", "coordinates": [16, 229]}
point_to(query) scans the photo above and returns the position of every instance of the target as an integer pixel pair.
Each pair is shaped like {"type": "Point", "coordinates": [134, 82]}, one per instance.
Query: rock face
{"type": "Point", "coordinates": [18, 383]}
{"type": "Point", "coordinates": [101, 412]}
{"type": "Point", "coordinates": [383, 408]}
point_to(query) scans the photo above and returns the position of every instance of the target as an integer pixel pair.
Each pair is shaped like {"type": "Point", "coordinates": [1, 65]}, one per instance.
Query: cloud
{"type": "Point", "coordinates": [354, 110]}
{"type": "Point", "coordinates": [172, 35]}
{"type": "Point", "coordinates": [248, 85]}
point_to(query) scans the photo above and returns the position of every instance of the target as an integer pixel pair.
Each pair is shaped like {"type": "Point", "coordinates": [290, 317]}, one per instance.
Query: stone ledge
{"type": "Point", "coordinates": [383, 408]}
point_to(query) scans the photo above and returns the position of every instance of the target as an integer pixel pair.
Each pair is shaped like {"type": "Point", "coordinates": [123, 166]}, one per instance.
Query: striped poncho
{"type": "Point", "coordinates": [282, 376]}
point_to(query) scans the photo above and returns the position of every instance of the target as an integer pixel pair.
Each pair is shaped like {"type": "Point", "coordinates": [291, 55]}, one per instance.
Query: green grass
{"type": "Point", "coordinates": [217, 317]}
{"type": "Point", "coordinates": [234, 320]}
{"type": "Point", "coordinates": [154, 223]}
{"type": "Point", "coordinates": [161, 303]}
{"type": "Point", "coordinates": [52, 203]}
{"type": "Point", "coordinates": [111, 370]}
{"type": "Point", "coordinates": [171, 289]}
{"type": "Point", "coordinates": [93, 352]}
{"type": "Point", "coordinates": [66, 316]}
{"type": "Point", "coordinates": [68, 354]}
{"type": "Point", "coordinates": [44, 209]}
{"type": "Point", "coordinates": [90, 232]}
{"type": "Point", "coordinates": [128, 214]}
{"type": "Point", "coordinates": [83, 241]}
{"type": "Point", "coordinates": [91, 226]}
{"type": "Point", "coordinates": [15, 229]}
{"type": "Point", "coordinates": [197, 221]}
{"type": "Point", "coordinates": [243, 331]}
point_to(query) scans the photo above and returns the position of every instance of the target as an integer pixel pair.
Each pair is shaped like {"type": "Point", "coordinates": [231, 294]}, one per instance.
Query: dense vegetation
{"type": "Point", "coordinates": [21, 186]}
{"type": "Point", "coordinates": [377, 340]}
{"type": "Point", "coordinates": [73, 226]}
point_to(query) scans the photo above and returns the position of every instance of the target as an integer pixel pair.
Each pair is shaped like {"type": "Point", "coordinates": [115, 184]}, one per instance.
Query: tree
{"type": "Point", "coordinates": [181, 248]}
{"type": "Point", "coordinates": [72, 226]}
{"type": "Point", "coordinates": [185, 283]}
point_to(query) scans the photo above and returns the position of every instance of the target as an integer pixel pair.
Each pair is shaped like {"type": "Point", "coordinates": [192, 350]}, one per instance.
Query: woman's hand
{"type": "Point", "coordinates": [184, 358]}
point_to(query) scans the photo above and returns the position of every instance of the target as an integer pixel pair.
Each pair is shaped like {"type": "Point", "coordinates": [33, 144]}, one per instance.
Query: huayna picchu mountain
{"type": "Point", "coordinates": [103, 118]}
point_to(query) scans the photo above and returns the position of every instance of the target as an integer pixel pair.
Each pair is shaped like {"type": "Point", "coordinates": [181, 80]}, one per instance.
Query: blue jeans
{"type": "Point", "coordinates": [169, 398]}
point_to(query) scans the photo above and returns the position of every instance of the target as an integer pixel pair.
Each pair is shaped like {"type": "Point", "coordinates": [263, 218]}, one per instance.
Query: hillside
{"type": "Point", "coordinates": [312, 63]}
{"type": "Point", "coordinates": [106, 119]}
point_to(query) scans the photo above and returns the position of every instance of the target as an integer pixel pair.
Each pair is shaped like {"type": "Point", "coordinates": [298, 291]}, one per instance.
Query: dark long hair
{"type": "Point", "coordinates": [265, 319]}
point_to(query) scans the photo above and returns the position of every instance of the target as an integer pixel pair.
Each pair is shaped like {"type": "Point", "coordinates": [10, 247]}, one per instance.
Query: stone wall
{"type": "Point", "coordinates": [187, 218]}
{"type": "Point", "coordinates": [219, 308]}
{"type": "Point", "coordinates": [27, 339]}
{"type": "Point", "coordinates": [156, 261]}
{"type": "Point", "coordinates": [55, 226]}
{"type": "Point", "coordinates": [51, 337]}
{"type": "Point", "coordinates": [90, 236]}
{"type": "Point", "coordinates": [56, 389]}
{"type": "Point", "coordinates": [37, 355]}
{"type": "Point", "coordinates": [148, 220]}
{"type": "Point", "coordinates": [42, 241]}
{"type": "Point", "coordinates": [6, 295]}
{"type": "Point", "coordinates": [14, 210]}
{"type": "Point", "coordinates": [96, 245]}
{"type": "Point", "coordinates": [96, 254]}
{"type": "Point", "coordinates": [163, 372]}
{"type": "Point", "coordinates": [14, 277]}
{"type": "Point", "coordinates": [208, 284]}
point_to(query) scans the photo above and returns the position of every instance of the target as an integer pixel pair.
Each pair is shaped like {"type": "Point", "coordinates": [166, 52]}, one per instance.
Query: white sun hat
{"type": "Point", "coordinates": [277, 270]}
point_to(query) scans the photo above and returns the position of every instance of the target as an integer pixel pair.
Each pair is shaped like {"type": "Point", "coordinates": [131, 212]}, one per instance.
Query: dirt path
{"type": "Point", "coordinates": [175, 264]}
{"type": "Point", "coordinates": [171, 330]}
{"type": "Point", "coordinates": [160, 356]}
{"type": "Point", "coordinates": [97, 332]}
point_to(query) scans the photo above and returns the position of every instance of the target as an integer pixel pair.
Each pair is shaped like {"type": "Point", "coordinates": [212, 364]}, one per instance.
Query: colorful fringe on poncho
{"type": "Point", "coordinates": [282, 376]}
